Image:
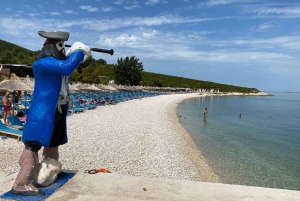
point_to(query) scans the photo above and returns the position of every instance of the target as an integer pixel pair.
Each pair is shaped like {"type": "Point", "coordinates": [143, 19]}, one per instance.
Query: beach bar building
{"type": "Point", "coordinates": [21, 70]}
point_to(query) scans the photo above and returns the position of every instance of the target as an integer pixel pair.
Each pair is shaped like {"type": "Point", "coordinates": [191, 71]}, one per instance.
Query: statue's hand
{"type": "Point", "coordinates": [79, 46]}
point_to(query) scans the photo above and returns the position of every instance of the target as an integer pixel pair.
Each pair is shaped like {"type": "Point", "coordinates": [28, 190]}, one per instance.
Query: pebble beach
{"type": "Point", "coordinates": [141, 137]}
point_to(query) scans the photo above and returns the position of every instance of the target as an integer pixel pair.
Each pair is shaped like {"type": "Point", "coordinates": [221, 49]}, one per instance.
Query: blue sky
{"type": "Point", "coordinates": [251, 43]}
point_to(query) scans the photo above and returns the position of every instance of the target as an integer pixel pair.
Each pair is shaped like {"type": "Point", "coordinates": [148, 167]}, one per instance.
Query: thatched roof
{"type": "Point", "coordinates": [72, 88]}
{"type": "Point", "coordinates": [111, 88]}
{"type": "Point", "coordinates": [28, 81]}
{"type": "Point", "coordinates": [15, 84]}
{"type": "Point", "coordinates": [101, 86]}
{"type": "Point", "coordinates": [117, 87]}
{"type": "Point", "coordinates": [106, 87]}
{"type": "Point", "coordinates": [81, 86]}
{"type": "Point", "coordinates": [93, 88]}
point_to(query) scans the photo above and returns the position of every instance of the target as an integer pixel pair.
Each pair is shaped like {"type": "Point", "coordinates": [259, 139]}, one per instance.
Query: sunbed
{"type": "Point", "coordinates": [86, 106]}
{"type": "Point", "coordinates": [15, 122]}
{"type": "Point", "coordinates": [9, 131]}
{"type": "Point", "coordinates": [76, 109]}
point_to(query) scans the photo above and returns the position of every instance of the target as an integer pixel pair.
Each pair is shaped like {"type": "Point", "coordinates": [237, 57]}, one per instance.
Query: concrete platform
{"type": "Point", "coordinates": [114, 187]}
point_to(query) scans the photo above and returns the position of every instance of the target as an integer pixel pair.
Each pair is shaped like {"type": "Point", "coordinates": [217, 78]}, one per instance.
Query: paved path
{"type": "Point", "coordinates": [114, 187]}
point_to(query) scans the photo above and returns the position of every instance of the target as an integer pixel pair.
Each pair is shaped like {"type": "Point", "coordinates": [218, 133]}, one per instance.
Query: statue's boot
{"type": "Point", "coordinates": [51, 152]}
{"type": "Point", "coordinates": [23, 185]}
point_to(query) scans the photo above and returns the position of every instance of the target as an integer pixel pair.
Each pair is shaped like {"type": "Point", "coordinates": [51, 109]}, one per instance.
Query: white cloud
{"type": "Point", "coordinates": [225, 2]}
{"type": "Point", "coordinates": [132, 7]}
{"type": "Point", "coordinates": [89, 8]}
{"type": "Point", "coordinates": [279, 11]}
{"type": "Point", "coordinates": [137, 21]}
{"type": "Point", "coordinates": [30, 7]}
{"type": "Point", "coordinates": [70, 12]}
{"type": "Point", "coordinates": [15, 27]}
{"type": "Point", "coordinates": [102, 24]}
{"type": "Point", "coordinates": [118, 2]}
{"type": "Point", "coordinates": [8, 9]}
{"type": "Point", "coordinates": [61, 1]}
{"type": "Point", "coordinates": [154, 2]}
{"type": "Point", "coordinates": [267, 26]}
{"type": "Point", "coordinates": [153, 44]}
{"type": "Point", "coordinates": [107, 8]}
{"type": "Point", "coordinates": [55, 13]}
{"type": "Point", "coordinates": [33, 14]}
{"type": "Point", "coordinates": [273, 11]}
{"type": "Point", "coordinates": [276, 43]}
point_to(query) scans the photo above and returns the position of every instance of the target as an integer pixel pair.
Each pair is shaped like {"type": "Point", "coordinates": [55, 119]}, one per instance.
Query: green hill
{"type": "Point", "coordinates": [95, 71]}
{"type": "Point", "coordinates": [13, 54]}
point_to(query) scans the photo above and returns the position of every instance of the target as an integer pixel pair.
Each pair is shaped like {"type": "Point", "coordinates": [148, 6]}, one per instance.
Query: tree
{"type": "Point", "coordinates": [20, 55]}
{"type": "Point", "coordinates": [75, 76]}
{"type": "Point", "coordinates": [128, 71]}
{"type": "Point", "coordinates": [6, 57]}
{"type": "Point", "coordinates": [90, 74]}
{"type": "Point", "coordinates": [89, 62]}
{"type": "Point", "coordinates": [101, 61]}
{"type": "Point", "coordinates": [157, 83]}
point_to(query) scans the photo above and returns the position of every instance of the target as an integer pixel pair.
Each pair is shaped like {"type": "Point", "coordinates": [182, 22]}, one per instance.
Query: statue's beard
{"type": "Point", "coordinates": [50, 50]}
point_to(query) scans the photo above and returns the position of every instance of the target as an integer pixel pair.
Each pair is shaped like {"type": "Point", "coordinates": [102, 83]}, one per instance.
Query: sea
{"type": "Point", "coordinates": [260, 148]}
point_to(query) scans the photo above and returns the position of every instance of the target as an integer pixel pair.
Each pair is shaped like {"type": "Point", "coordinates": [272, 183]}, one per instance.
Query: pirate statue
{"type": "Point", "coordinates": [46, 119]}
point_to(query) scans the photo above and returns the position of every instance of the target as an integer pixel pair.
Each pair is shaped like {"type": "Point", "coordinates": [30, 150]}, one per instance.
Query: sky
{"type": "Point", "coordinates": [249, 43]}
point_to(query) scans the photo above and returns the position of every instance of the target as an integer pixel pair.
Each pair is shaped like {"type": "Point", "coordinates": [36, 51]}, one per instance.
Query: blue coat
{"type": "Point", "coordinates": [48, 73]}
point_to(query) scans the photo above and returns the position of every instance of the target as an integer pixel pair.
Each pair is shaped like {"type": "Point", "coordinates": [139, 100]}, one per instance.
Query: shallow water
{"type": "Point", "coordinates": [262, 148]}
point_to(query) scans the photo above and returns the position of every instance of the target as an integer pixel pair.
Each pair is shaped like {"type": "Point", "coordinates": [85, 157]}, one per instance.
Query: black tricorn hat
{"type": "Point", "coordinates": [55, 35]}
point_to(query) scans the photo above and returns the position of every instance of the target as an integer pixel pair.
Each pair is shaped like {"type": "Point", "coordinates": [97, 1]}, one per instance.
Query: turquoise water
{"type": "Point", "coordinates": [260, 149]}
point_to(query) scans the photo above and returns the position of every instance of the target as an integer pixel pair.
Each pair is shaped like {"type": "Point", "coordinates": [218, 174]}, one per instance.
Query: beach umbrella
{"type": "Point", "coordinates": [28, 81]}
{"type": "Point", "coordinates": [81, 86]}
{"type": "Point", "coordinates": [75, 85]}
{"type": "Point", "coordinates": [14, 84]}
{"type": "Point", "coordinates": [93, 88]}
{"type": "Point", "coordinates": [72, 88]}
{"type": "Point", "coordinates": [101, 86]}
{"type": "Point", "coordinates": [111, 88]}
{"type": "Point", "coordinates": [117, 87]}
{"type": "Point", "coordinates": [137, 88]}
{"type": "Point", "coordinates": [106, 87]}
{"type": "Point", "coordinates": [128, 88]}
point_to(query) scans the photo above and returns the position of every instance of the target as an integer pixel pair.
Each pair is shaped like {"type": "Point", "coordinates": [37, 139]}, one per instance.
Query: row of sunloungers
{"type": "Point", "coordinates": [79, 103]}
{"type": "Point", "coordinates": [92, 100]}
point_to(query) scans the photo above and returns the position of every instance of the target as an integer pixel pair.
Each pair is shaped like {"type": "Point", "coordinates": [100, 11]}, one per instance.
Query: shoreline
{"type": "Point", "coordinates": [192, 152]}
{"type": "Point", "coordinates": [234, 94]}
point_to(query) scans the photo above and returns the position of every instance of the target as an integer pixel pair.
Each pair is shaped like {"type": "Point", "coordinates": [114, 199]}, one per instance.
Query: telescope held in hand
{"type": "Point", "coordinates": [111, 52]}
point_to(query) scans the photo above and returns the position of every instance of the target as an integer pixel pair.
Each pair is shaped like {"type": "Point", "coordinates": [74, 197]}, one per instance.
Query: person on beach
{"type": "Point", "coordinates": [19, 113]}
{"type": "Point", "coordinates": [46, 120]}
{"type": "Point", "coordinates": [240, 115]}
{"type": "Point", "coordinates": [16, 99]}
{"type": "Point", "coordinates": [103, 101]}
{"type": "Point", "coordinates": [6, 107]}
{"type": "Point", "coordinates": [205, 112]}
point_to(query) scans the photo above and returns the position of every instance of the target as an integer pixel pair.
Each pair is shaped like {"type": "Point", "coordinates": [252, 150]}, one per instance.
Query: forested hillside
{"type": "Point", "coordinates": [96, 71]}
{"type": "Point", "coordinates": [13, 54]}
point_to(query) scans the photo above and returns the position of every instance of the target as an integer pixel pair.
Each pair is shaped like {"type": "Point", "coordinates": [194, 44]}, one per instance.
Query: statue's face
{"type": "Point", "coordinates": [61, 46]}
